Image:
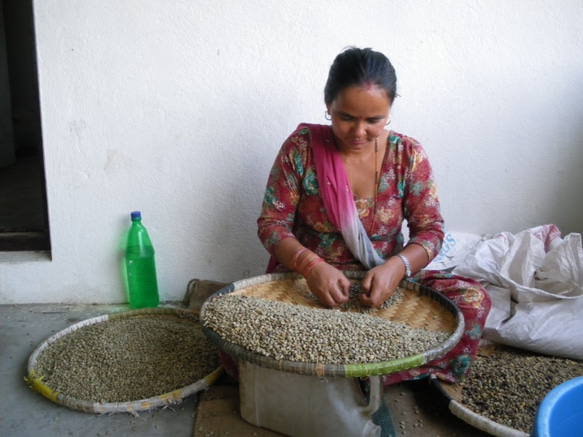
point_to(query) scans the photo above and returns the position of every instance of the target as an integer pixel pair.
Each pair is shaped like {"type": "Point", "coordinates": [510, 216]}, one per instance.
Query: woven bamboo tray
{"type": "Point", "coordinates": [453, 395]}
{"type": "Point", "coordinates": [472, 418]}
{"type": "Point", "coordinates": [420, 307]}
{"type": "Point", "coordinates": [35, 380]}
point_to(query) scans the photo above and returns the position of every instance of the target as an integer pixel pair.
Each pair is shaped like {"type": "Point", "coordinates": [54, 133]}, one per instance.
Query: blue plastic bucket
{"type": "Point", "coordinates": [560, 414]}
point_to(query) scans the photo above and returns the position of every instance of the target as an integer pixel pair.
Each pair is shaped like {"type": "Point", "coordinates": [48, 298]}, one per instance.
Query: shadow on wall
{"type": "Point", "coordinates": [566, 210]}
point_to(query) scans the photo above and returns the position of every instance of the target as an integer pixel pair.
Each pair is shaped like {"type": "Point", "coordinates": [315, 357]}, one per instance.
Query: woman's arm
{"type": "Point", "coordinates": [277, 222]}
{"type": "Point", "coordinates": [282, 195]}
{"type": "Point", "coordinates": [421, 204]}
{"type": "Point", "coordinates": [421, 210]}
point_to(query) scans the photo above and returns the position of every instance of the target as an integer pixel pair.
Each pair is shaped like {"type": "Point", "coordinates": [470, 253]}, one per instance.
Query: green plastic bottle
{"type": "Point", "coordinates": [140, 266]}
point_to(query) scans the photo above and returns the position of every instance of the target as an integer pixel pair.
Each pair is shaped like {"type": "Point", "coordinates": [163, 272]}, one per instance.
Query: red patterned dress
{"type": "Point", "coordinates": [293, 208]}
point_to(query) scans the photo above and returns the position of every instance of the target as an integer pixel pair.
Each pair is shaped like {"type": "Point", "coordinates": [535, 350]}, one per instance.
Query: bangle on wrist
{"type": "Point", "coordinates": [310, 266]}
{"type": "Point", "coordinates": [306, 261]}
{"type": "Point", "coordinates": [296, 256]}
{"type": "Point", "coordinates": [407, 265]}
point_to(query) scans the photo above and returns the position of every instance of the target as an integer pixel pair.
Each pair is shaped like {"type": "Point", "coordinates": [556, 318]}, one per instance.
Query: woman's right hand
{"type": "Point", "coordinates": [328, 284]}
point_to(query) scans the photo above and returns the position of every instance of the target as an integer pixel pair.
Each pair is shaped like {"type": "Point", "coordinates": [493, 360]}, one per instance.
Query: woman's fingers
{"type": "Point", "coordinates": [378, 285]}
{"type": "Point", "coordinates": [329, 285]}
{"type": "Point", "coordinates": [340, 289]}
{"type": "Point", "coordinates": [376, 298]}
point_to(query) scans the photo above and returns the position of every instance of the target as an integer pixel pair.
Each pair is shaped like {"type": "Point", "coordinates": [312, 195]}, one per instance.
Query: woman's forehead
{"type": "Point", "coordinates": [362, 100]}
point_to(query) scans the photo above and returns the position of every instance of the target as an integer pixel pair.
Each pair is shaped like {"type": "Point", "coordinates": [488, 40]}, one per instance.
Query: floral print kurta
{"type": "Point", "coordinates": [293, 208]}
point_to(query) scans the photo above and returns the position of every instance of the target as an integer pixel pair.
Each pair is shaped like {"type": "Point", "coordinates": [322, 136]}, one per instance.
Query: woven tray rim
{"type": "Point", "coordinates": [474, 419]}
{"type": "Point", "coordinates": [174, 397]}
{"type": "Point", "coordinates": [336, 370]}
{"type": "Point", "coordinates": [460, 410]}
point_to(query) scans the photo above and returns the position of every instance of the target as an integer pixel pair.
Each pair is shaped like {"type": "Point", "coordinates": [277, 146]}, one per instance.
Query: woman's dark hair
{"type": "Point", "coordinates": [361, 67]}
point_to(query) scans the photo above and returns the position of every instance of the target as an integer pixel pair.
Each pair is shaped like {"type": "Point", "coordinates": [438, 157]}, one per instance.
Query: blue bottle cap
{"type": "Point", "coordinates": [136, 215]}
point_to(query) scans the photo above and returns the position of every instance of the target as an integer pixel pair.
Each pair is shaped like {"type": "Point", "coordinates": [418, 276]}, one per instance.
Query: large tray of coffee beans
{"type": "Point", "coordinates": [505, 387]}
{"type": "Point", "coordinates": [274, 321]}
{"type": "Point", "coordinates": [125, 362]}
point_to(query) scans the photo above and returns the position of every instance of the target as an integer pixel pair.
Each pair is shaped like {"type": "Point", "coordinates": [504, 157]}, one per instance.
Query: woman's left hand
{"type": "Point", "coordinates": [380, 283]}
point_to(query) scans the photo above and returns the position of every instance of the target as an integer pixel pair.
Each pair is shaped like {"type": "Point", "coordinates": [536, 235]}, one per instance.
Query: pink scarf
{"type": "Point", "coordinates": [337, 196]}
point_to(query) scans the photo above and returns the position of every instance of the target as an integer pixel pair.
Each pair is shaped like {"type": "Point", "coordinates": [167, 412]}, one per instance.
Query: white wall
{"type": "Point", "coordinates": [178, 107]}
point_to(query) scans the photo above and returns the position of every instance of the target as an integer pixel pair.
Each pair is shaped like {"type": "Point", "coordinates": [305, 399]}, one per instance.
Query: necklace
{"type": "Point", "coordinates": [376, 169]}
{"type": "Point", "coordinates": [376, 184]}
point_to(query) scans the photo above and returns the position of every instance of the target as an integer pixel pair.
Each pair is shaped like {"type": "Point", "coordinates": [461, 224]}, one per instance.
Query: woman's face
{"type": "Point", "coordinates": [359, 115]}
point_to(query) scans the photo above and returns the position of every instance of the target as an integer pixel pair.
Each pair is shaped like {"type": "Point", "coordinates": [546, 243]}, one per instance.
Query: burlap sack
{"type": "Point", "coordinates": [198, 290]}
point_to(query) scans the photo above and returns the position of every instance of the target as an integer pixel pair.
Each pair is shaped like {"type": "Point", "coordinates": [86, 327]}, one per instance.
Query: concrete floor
{"type": "Point", "coordinates": [25, 413]}
{"type": "Point", "coordinates": [416, 409]}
